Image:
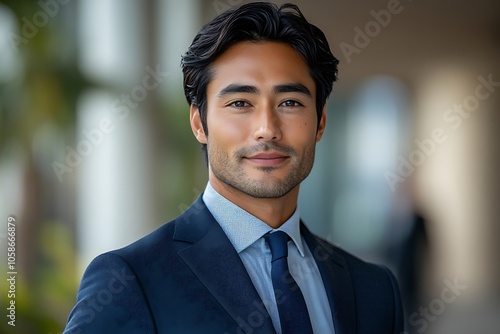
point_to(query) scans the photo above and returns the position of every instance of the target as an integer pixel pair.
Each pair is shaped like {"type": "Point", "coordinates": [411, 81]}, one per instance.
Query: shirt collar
{"type": "Point", "coordinates": [241, 227]}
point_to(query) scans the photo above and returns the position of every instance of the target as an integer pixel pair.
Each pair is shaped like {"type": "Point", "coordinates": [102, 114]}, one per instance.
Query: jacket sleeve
{"type": "Point", "coordinates": [110, 299]}
{"type": "Point", "coordinates": [398, 326]}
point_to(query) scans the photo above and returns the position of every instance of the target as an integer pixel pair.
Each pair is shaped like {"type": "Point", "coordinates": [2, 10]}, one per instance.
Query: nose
{"type": "Point", "coordinates": [267, 124]}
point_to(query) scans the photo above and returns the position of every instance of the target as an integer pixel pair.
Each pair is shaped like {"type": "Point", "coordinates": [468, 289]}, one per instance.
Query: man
{"type": "Point", "coordinates": [239, 260]}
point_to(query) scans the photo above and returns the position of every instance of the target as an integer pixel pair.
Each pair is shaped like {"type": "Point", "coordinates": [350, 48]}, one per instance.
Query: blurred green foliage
{"type": "Point", "coordinates": [44, 90]}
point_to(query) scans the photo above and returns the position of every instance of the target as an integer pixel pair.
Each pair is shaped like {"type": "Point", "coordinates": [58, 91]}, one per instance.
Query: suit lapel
{"type": "Point", "coordinates": [337, 281]}
{"type": "Point", "coordinates": [215, 262]}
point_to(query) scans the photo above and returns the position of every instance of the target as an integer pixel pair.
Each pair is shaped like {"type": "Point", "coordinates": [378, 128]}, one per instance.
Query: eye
{"type": "Point", "coordinates": [291, 104]}
{"type": "Point", "coordinates": [239, 104]}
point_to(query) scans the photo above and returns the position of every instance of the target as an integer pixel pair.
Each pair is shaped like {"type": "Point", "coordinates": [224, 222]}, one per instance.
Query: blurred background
{"type": "Point", "coordinates": [96, 149]}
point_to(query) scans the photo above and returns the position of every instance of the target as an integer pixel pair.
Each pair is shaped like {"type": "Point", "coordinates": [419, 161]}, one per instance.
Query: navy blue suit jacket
{"type": "Point", "coordinates": [186, 277]}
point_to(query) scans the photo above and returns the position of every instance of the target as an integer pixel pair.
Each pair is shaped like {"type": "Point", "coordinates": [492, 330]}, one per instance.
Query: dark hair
{"type": "Point", "coordinates": [258, 21]}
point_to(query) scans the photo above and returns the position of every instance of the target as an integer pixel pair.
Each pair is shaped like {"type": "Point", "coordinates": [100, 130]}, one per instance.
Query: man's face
{"type": "Point", "coordinates": [261, 119]}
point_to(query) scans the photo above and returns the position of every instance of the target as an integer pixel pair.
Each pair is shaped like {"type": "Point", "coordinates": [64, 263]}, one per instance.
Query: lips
{"type": "Point", "coordinates": [268, 158]}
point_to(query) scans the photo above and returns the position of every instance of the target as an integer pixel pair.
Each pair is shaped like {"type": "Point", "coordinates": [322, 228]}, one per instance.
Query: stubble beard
{"type": "Point", "coordinates": [229, 170]}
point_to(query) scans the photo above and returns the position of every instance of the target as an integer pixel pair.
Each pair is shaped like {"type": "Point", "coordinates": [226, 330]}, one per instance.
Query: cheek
{"type": "Point", "coordinates": [226, 132]}
{"type": "Point", "coordinates": [302, 132]}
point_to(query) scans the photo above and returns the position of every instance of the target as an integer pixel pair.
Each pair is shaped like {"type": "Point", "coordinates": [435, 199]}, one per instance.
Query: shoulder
{"type": "Point", "coordinates": [361, 271]}
{"type": "Point", "coordinates": [109, 290]}
{"type": "Point", "coordinates": [374, 287]}
{"type": "Point", "coordinates": [121, 284]}
{"type": "Point", "coordinates": [170, 238]}
{"type": "Point", "coordinates": [149, 246]}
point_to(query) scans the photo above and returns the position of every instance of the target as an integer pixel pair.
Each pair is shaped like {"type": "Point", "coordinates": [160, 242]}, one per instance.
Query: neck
{"type": "Point", "coordinates": [273, 211]}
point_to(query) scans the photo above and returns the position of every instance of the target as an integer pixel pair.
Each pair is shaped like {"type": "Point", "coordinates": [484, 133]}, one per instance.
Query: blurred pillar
{"type": "Point", "coordinates": [456, 184]}
{"type": "Point", "coordinates": [116, 196]}
{"type": "Point", "coordinates": [178, 23]}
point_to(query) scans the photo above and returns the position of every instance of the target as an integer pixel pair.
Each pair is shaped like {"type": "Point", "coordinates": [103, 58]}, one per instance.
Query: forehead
{"type": "Point", "coordinates": [260, 64]}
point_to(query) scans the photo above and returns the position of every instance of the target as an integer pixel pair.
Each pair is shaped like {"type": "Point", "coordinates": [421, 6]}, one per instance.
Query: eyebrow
{"type": "Point", "coordinates": [292, 88]}
{"type": "Point", "coordinates": [235, 88]}
{"type": "Point", "coordinates": [284, 88]}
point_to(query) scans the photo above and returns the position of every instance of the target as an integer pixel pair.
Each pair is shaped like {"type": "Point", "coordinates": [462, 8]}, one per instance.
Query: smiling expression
{"type": "Point", "coordinates": [261, 118]}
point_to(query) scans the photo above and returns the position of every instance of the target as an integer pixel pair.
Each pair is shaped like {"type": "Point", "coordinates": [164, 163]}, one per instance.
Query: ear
{"type": "Point", "coordinates": [322, 124]}
{"type": "Point", "coordinates": [196, 126]}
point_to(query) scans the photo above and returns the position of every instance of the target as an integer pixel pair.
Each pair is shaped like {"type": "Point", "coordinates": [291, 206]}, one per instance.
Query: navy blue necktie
{"type": "Point", "coordinates": [292, 308]}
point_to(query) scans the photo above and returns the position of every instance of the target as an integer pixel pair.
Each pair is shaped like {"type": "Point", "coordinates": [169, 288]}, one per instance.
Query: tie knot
{"type": "Point", "coordinates": [277, 242]}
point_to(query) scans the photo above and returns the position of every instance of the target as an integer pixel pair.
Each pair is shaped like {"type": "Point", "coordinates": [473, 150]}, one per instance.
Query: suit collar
{"type": "Point", "coordinates": [337, 281]}
{"type": "Point", "coordinates": [215, 262]}
{"type": "Point", "coordinates": [221, 271]}
{"type": "Point", "coordinates": [194, 223]}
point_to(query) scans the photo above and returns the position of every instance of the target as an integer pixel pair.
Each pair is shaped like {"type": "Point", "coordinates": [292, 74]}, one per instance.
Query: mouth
{"type": "Point", "coordinates": [268, 159]}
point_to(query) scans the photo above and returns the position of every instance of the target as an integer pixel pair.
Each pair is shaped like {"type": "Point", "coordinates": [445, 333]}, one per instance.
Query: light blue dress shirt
{"type": "Point", "coordinates": [245, 232]}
